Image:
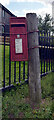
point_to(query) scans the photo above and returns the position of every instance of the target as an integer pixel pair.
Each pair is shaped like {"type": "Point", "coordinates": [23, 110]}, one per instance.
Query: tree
{"type": "Point", "coordinates": [40, 21]}
{"type": "Point", "coordinates": [45, 24]}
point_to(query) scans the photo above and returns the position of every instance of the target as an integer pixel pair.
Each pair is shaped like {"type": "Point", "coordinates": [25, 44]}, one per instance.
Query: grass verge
{"type": "Point", "coordinates": [16, 103]}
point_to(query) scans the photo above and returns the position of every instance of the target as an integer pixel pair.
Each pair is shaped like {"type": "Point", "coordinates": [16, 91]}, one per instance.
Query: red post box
{"type": "Point", "coordinates": [18, 39]}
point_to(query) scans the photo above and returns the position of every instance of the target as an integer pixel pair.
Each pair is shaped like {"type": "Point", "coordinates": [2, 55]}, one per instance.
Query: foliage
{"type": "Point", "coordinates": [45, 24]}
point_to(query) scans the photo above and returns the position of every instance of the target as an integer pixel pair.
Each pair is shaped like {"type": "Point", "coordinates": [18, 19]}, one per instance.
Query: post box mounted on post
{"type": "Point", "coordinates": [18, 39]}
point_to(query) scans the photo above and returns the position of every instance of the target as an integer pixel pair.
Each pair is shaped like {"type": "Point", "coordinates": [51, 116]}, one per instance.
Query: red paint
{"type": "Point", "coordinates": [18, 25]}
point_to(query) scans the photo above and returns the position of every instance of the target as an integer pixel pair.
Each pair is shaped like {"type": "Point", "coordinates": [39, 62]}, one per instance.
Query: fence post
{"type": "Point", "coordinates": [34, 62]}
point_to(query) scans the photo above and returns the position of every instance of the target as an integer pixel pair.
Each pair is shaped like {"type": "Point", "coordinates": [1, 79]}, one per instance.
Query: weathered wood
{"type": "Point", "coordinates": [34, 61]}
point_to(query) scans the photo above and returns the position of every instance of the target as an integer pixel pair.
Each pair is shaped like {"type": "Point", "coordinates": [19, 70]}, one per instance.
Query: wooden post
{"type": "Point", "coordinates": [34, 62]}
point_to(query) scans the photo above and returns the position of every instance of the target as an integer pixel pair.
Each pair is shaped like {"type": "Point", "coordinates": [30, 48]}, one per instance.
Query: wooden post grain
{"type": "Point", "coordinates": [34, 62]}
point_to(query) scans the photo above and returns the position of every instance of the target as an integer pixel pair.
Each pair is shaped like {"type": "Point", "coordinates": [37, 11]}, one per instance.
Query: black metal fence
{"type": "Point", "coordinates": [17, 72]}
{"type": "Point", "coordinates": [46, 51]}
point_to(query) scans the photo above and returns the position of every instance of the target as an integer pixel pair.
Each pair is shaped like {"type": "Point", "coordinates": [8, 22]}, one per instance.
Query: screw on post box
{"type": "Point", "coordinates": [18, 36]}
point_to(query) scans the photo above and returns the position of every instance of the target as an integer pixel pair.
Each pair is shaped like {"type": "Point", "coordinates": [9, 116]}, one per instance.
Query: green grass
{"type": "Point", "coordinates": [16, 102]}
{"type": "Point", "coordinates": [47, 85]}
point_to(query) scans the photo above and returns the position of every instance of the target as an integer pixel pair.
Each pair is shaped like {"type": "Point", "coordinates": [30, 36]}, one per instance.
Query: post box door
{"type": "Point", "coordinates": [18, 41]}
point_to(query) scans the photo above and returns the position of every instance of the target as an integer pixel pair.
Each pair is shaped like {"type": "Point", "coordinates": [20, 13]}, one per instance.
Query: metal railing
{"type": "Point", "coordinates": [17, 72]}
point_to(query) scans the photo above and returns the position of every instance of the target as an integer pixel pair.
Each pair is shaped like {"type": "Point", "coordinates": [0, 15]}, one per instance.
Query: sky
{"type": "Point", "coordinates": [21, 7]}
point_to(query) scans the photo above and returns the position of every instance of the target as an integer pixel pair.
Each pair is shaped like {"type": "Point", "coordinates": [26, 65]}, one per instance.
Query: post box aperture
{"type": "Point", "coordinates": [18, 39]}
